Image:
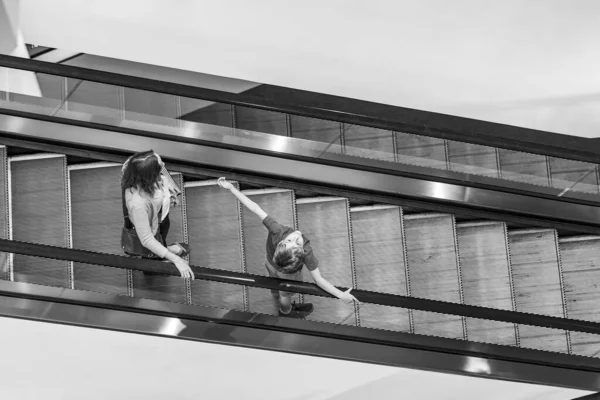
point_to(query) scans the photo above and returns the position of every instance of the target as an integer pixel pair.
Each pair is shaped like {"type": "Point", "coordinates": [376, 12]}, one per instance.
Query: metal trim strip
{"type": "Point", "coordinates": [513, 296]}
{"type": "Point", "coordinates": [209, 182]}
{"type": "Point", "coordinates": [411, 318]}
{"type": "Point", "coordinates": [254, 192]}
{"type": "Point", "coordinates": [477, 201]}
{"type": "Point", "coordinates": [527, 231]}
{"type": "Point", "coordinates": [563, 295]}
{"type": "Point", "coordinates": [470, 224]}
{"type": "Point", "coordinates": [242, 251]}
{"type": "Point", "coordinates": [11, 256]}
{"type": "Point", "coordinates": [71, 264]}
{"type": "Point", "coordinates": [373, 207]}
{"type": "Point", "coordinates": [143, 316]}
{"type": "Point", "coordinates": [459, 276]}
{"type": "Point", "coordinates": [29, 157]}
{"type": "Point", "coordinates": [8, 211]}
{"type": "Point", "coordinates": [320, 199]}
{"type": "Point", "coordinates": [77, 167]}
{"type": "Point", "coordinates": [424, 216]}
{"type": "Point", "coordinates": [577, 239]}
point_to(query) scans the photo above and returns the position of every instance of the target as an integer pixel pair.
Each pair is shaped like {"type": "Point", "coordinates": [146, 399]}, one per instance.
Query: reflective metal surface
{"type": "Point", "coordinates": [270, 333]}
{"type": "Point", "coordinates": [346, 110]}
{"type": "Point", "coordinates": [293, 148]}
{"type": "Point", "coordinates": [585, 218]}
{"type": "Point", "coordinates": [238, 278]}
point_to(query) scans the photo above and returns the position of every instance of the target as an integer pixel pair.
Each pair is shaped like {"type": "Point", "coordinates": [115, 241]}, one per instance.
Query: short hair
{"type": "Point", "coordinates": [142, 170]}
{"type": "Point", "coordinates": [288, 260]}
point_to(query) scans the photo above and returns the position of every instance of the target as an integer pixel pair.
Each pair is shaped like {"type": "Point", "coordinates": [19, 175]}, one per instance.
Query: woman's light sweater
{"type": "Point", "coordinates": [143, 213]}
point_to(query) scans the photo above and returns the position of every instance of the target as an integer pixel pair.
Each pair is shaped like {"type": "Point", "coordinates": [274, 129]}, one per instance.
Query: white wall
{"type": "Point", "coordinates": [532, 63]}
{"type": "Point", "coordinates": [48, 361]}
{"type": "Point", "coordinates": [12, 43]}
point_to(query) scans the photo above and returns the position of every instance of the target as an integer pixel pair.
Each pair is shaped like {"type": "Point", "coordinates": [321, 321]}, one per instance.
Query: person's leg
{"type": "Point", "coordinates": [284, 299]}
{"type": "Point", "coordinates": [289, 308]}
{"type": "Point", "coordinates": [273, 274]}
{"type": "Point", "coordinates": [285, 302]}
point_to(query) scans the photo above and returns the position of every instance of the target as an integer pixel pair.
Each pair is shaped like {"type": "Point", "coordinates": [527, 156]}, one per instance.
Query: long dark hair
{"type": "Point", "coordinates": [142, 172]}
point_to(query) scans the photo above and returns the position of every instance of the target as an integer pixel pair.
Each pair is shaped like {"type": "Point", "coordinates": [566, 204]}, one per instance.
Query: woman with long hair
{"type": "Point", "coordinates": [147, 199]}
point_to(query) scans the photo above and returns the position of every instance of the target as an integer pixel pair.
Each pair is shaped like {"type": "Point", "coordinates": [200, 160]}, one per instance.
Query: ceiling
{"type": "Point", "coordinates": [532, 64]}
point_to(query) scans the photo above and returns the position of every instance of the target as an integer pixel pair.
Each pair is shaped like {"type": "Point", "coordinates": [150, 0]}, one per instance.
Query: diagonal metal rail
{"type": "Point", "coordinates": [238, 278]}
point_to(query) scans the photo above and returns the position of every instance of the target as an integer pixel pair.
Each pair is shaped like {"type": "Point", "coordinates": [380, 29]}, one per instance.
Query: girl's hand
{"type": "Point", "coordinates": [347, 297]}
{"type": "Point", "coordinates": [184, 268]}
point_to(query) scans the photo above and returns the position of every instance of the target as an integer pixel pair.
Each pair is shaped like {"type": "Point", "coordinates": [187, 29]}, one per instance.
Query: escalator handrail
{"type": "Point", "coordinates": [390, 118]}
{"type": "Point", "coordinates": [244, 279]}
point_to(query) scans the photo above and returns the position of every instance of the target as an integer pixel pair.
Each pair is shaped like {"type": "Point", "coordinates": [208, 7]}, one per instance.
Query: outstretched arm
{"type": "Point", "coordinates": [252, 206]}
{"type": "Point", "coordinates": [328, 287]}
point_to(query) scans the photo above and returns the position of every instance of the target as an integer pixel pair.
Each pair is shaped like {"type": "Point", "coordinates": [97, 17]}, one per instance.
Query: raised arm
{"type": "Point", "coordinates": [328, 287]}
{"type": "Point", "coordinates": [250, 205]}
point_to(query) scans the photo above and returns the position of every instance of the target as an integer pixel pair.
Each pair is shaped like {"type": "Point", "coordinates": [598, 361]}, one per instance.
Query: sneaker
{"type": "Point", "coordinates": [298, 310]}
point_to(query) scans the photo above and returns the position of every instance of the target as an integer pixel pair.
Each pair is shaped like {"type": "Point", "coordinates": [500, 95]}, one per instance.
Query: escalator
{"type": "Point", "coordinates": [60, 188]}
{"type": "Point", "coordinates": [375, 248]}
{"type": "Point", "coordinates": [421, 255]}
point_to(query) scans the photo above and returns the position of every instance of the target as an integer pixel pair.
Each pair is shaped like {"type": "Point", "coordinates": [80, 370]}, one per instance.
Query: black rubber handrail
{"type": "Point", "coordinates": [349, 111]}
{"type": "Point", "coordinates": [238, 278]}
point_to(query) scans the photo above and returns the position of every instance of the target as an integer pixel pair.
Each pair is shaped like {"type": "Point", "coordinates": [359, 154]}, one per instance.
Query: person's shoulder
{"type": "Point", "coordinates": [134, 197]}
{"type": "Point", "coordinates": [132, 192]}
{"type": "Point", "coordinates": [269, 222]}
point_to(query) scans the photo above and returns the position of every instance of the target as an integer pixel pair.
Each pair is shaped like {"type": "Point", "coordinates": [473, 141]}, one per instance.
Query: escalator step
{"type": "Point", "coordinates": [580, 257]}
{"type": "Point", "coordinates": [325, 221]}
{"type": "Point", "coordinates": [433, 271]}
{"type": "Point", "coordinates": [484, 265]}
{"type": "Point", "coordinates": [97, 220]}
{"type": "Point", "coordinates": [279, 204]}
{"type": "Point", "coordinates": [39, 204]}
{"type": "Point", "coordinates": [536, 273]}
{"type": "Point", "coordinates": [380, 263]}
{"type": "Point", "coordinates": [214, 225]}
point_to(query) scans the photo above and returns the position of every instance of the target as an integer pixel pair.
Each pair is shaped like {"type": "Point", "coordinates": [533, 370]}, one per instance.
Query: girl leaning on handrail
{"type": "Point", "coordinates": [147, 196]}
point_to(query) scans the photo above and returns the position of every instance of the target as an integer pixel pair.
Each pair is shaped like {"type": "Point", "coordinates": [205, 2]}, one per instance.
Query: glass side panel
{"type": "Point", "coordinates": [283, 133]}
